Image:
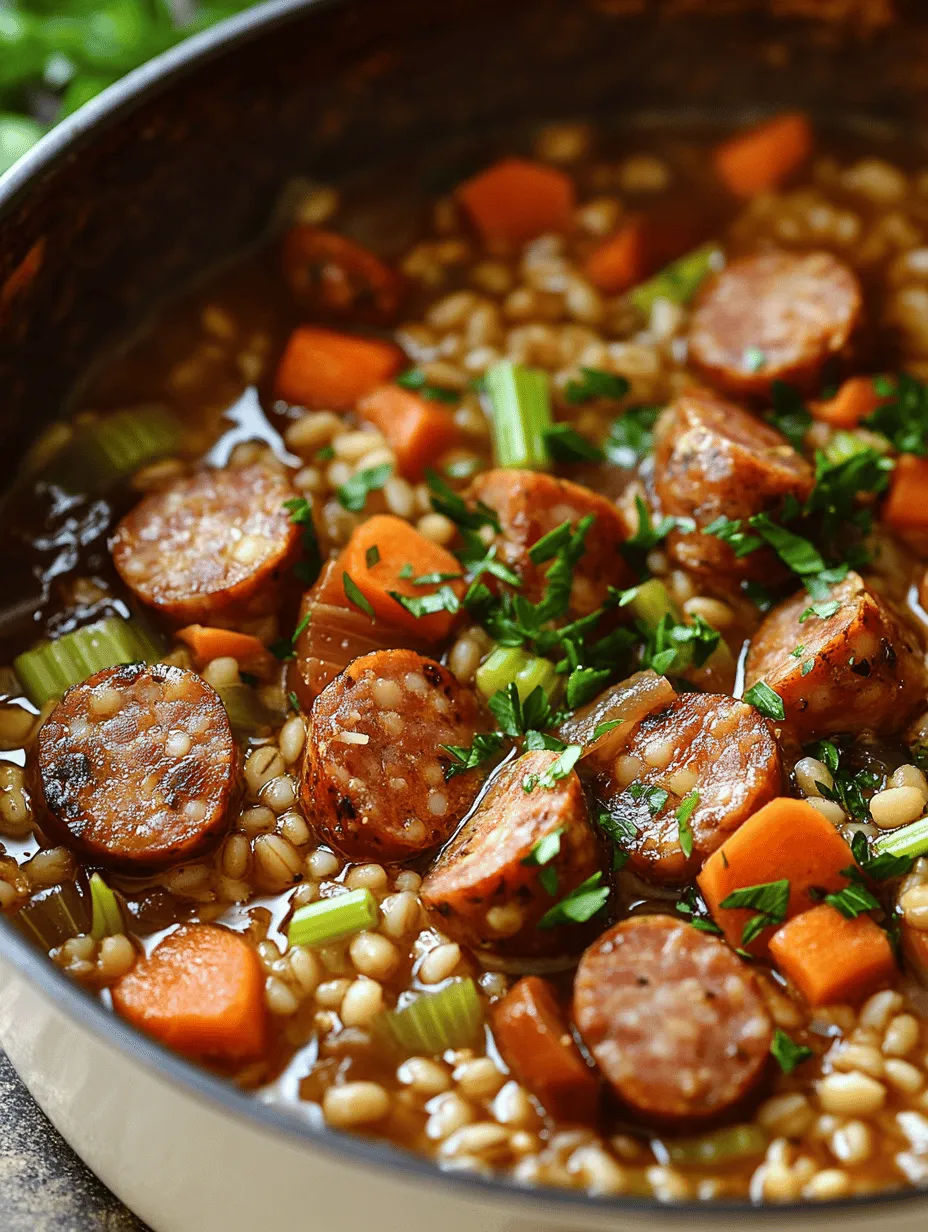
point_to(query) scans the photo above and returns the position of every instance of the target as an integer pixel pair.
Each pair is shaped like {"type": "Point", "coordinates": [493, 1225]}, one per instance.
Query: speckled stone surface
{"type": "Point", "coordinates": [44, 1187]}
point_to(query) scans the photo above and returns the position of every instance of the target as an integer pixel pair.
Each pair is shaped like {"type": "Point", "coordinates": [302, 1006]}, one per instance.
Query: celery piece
{"type": "Point", "coordinates": [508, 664]}
{"type": "Point", "coordinates": [721, 1146]}
{"type": "Point", "coordinates": [331, 919]}
{"type": "Point", "coordinates": [108, 920]}
{"type": "Point", "coordinates": [247, 712]}
{"type": "Point", "coordinates": [434, 1022]}
{"type": "Point", "coordinates": [521, 414]}
{"type": "Point", "coordinates": [650, 602]}
{"type": "Point", "coordinates": [678, 281]}
{"type": "Point", "coordinates": [50, 668]}
{"type": "Point", "coordinates": [844, 445]}
{"type": "Point", "coordinates": [52, 916]}
{"type": "Point", "coordinates": [910, 840]}
{"type": "Point", "coordinates": [115, 446]}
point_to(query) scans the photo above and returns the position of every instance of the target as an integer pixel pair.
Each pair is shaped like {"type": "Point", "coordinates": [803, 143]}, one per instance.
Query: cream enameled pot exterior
{"type": "Point", "coordinates": [188, 1154]}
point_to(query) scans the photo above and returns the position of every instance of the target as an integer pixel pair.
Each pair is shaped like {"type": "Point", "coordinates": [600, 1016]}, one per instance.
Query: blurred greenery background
{"type": "Point", "coordinates": [55, 55]}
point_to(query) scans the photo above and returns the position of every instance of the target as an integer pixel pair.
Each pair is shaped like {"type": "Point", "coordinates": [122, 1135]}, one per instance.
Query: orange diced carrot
{"type": "Point", "coordinates": [515, 200]}
{"type": "Point", "coordinates": [621, 260]}
{"type": "Point", "coordinates": [763, 157]}
{"type": "Point", "coordinates": [831, 959]}
{"type": "Point", "coordinates": [785, 839]}
{"type": "Point", "coordinates": [208, 643]}
{"type": "Point", "coordinates": [906, 506]}
{"type": "Point", "coordinates": [200, 992]}
{"type": "Point", "coordinates": [325, 370]}
{"type": "Point", "coordinates": [417, 429]}
{"type": "Point", "coordinates": [854, 401]}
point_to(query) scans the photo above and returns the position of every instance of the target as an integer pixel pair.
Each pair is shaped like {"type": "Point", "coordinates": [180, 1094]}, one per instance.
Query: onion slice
{"type": "Point", "coordinates": [628, 702]}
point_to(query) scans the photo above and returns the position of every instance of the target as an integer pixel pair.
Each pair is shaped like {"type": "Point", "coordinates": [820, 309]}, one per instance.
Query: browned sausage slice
{"type": "Point", "coordinates": [712, 459]}
{"type": "Point", "coordinates": [709, 743]}
{"type": "Point", "coordinates": [481, 888]}
{"type": "Point", "coordinates": [212, 547]}
{"type": "Point", "coordinates": [530, 505]}
{"type": "Point", "coordinates": [858, 669]}
{"type": "Point", "coordinates": [137, 767]}
{"type": "Point", "coordinates": [673, 1019]}
{"type": "Point", "coordinates": [373, 771]}
{"type": "Point", "coordinates": [334, 634]}
{"type": "Point", "coordinates": [774, 316]}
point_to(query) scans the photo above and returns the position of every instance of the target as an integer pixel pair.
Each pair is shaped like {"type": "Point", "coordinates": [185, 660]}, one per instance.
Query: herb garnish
{"type": "Point", "coordinates": [766, 700]}
{"type": "Point", "coordinates": [356, 596]}
{"type": "Point", "coordinates": [565, 444]}
{"type": "Point", "coordinates": [353, 494]}
{"type": "Point", "coordinates": [580, 905]}
{"type": "Point", "coordinates": [770, 900]}
{"type": "Point", "coordinates": [414, 378]}
{"type": "Point", "coordinates": [541, 855]}
{"type": "Point", "coordinates": [594, 383]}
{"type": "Point", "coordinates": [684, 813]}
{"type": "Point", "coordinates": [787, 1053]}
{"type": "Point", "coordinates": [301, 514]}
{"type": "Point", "coordinates": [485, 746]}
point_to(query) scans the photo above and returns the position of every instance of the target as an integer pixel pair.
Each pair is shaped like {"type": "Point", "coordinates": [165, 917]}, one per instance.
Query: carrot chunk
{"type": "Point", "coordinates": [200, 992]}
{"type": "Point", "coordinates": [763, 157]}
{"type": "Point", "coordinates": [534, 1039]}
{"type": "Point", "coordinates": [831, 959]}
{"type": "Point", "coordinates": [621, 260]}
{"type": "Point", "coordinates": [515, 200]}
{"type": "Point", "coordinates": [401, 556]}
{"type": "Point", "coordinates": [417, 429]}
{"type": "Point", "coordinates": [906, 505]}
{"type": "Point", "coordinates": [325, 370]}
{"type": "Point", "coordinates": [785, 839]}
{"type": "Point", "coordinates": [854, 401]}
{"type": "Point", "coordinates": [208, 643]}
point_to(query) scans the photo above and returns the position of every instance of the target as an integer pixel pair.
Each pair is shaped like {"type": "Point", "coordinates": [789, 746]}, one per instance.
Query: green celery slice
{"type": "Point", "coordinates": [108, 919]}
{"type": "Point", "coordinates": [53, 916]}
{"type": "Point", "coordinates": [434, 1022]}
{"type": "Point", "coordinates": [332, 919]}
{"type": "Point", "coordinates": [247, 712]}
{"type": "Point", "coordinates": [51, 668]}
{"type": "Point", "coordinates": [521, 414]}
{"type": "Point", "coordinates": [114, 447]}
{"type": "Point", "coordinates": [910, 840]}
{"type": "Point", "coordinates": [678, 281]}
{"type": "Point", "coordinates": [651, 602]}
{"type": "Point", "coordinates": [510, 664]}
{"type": "Point", "coordinates": [721, 1146]}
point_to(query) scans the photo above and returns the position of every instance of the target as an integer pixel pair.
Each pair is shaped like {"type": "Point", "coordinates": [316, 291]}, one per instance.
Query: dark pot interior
{"type": "Point", "coordinates": [172, 179]}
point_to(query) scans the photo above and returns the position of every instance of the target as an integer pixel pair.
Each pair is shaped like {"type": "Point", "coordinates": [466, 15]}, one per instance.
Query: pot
{"type": "Point", "coordinates": [161, 178]}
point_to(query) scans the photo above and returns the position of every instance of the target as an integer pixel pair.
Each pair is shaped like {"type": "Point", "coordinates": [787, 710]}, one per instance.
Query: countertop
{"type": "Point", "coordinates": [44, 1187]}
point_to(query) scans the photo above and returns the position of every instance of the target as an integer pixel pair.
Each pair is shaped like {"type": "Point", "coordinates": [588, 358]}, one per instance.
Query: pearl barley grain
{"type": "Point", "coordinates": [355, 1103]}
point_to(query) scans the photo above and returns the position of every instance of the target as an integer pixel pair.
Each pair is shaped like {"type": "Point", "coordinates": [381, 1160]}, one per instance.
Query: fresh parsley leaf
{"type": "Point", "coordinates": [607, 725]}
{"type": "Point", "coordinates": [885, 866]}
{"type": "Point", "coordinates": [903, 417]}
{"type": "Point", "coordinates": [294, 701]}
{"type": "Point", "coordinates": [770, 899]}
{"type": "Point", "coordinates": [837, 487]}
{"type": "Point", "coordinates": [806, 667]}
{"type": "Point", "coordinates": [789, 414]}
{"type": "Point", "coordinates": [445, 500]}
{"type": "Point", "coordinates": [787, 1053]}
{"type": "Point", "coordinates": [325, 454]}
{"type": "Point", "coordinates": [565, 444]}
{"type": "Point", "coordinates": [852, 901]}
{"type": "Point", "coordinates": [559, 769]}
{"type": "Point", "coordinates": [732, 532]}
{"type": "Point", "coordinates": [406, 572]}
{"type": "Point", "coordinates": [442, 600]}
{"type": "Point", "coordinates": [285, 648]}
{"type": "Point", "coordinates": [535, 740]}
{"type": "Point", "coordinates": [594, 383]}
{"type": "Point", "coordinates": [485, 746]}
{"type": "Point", "coordinates": [580, 905]}
{"type": "Point", "coordinates": [435, 579]}
{"type": "Point", "coordinates": [823, 610]}
{"type": "Point", "coordinates": [356, 597]}
{"type": "Point", "coordinates": [301, 514]}
{"type": "Point", "coordinates": [548, 546]}
{"type": "Point", "coordinates": [584, 683]}
{"type": "Point", "coordinates": [631, 437]}
{"type": "Point", "coordinates": [849, 789]}
{"type": "Point", "coordinates": [766, 700]}
{"type": "Point", "coordinates": [414, 378]}
{"type": "Point", "coordinates": [353, 494]}
{"type": "Point", "coordinates": [372, 556]}
{"type": "Point", "coordinates": [647, 535]}
{"type": "Point", "coordinates": [684, 813]}
{"type": "Point", "coordinates": [653, 796]}
{"type": "Point", "coordinates": [516, 717]}
{"type": "Point", "coordinates": [545, 850]}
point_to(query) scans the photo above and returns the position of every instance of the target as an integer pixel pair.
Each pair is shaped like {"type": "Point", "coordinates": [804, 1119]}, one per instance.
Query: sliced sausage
{"type": "Point", "coordinates": [774, 316]}
{"type": "Point", "coordinates": [336, 634]}
{"type": "Point", "coordinates": [137, 767]}
{"type": "Point", "coordinates": [529, 505]}
{"type": "Point", "coordinates": [373, 770]}
{"type": "Point", "coordinates": [481, 887]}
{"type": "Point", "coordinates": [858, 669]}
{"type": "Point", "coordinates": [712, 459]}
{"type": "Point", "coordinates": [673, 1019]}
{"type": "Point", "coordinates": [212, 548]}
{"type": "Point", "coordinates": [709, 743]}
{"type": "Point", "coordinates": [532, 1034]}
{"type": "Point", "coordinates": [329, 274]}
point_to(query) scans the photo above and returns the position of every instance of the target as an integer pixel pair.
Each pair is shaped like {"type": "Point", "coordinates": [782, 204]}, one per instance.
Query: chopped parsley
{"type": "Point", "coordinates": [580, 905]}
{"type": "Point", "coordinates": [787, 1053]}
{"type": "Point", "coordinates": [607, 725]}
{"type": "Point", "coordinates": [414, 378]}
{"type": "Point", "coordinates": [769, 900]}
{"type": "Point", "coordinates": [653, 796]}
{"type": "Point", "coordinates": [903, 417]}
{"type": "Point", "coordinates": [684, 813]}
{"type": "Point", "coordinates": [356, 596]}
{"type": "Point", "coordinates": [294, 701]}
{"type": "Point", "coordinates": [852, 901]}
{"type": "Point", "coordinates": [372, 556]}
{"type": "Point", "coordinates": [766, 700]}
{"type": "Point", "coordinates": [445, 500]}
{"type": "Point", "coordinates": [486, 745]}
{"type": "Point", "coordinates": [848, 788]}
{"type": "Point", "coordinates": [353, 494]}
{"type": "Point", "coordinates": [541, 855]}
{"type": "Point", "coordinates": [285, 647]}
{"type": "Point", "coordinates": [594, 383]}
{"type": "Point", "coordinates": [789, 414]}
{"type": "Point", "coordinates": [442, 600]}
{"type": "Point", "coordinates": [301, 514]}
{"type": "Point", "coordinates": [647, 535]}
{"type": "Point", "coordinates": [565, 444]}
{"type": "Point", "coordinates": [823, 609]}
{"type": "Point", "coordinates": [631, 436]}
{"type": "Point", "coordinates": [559, 769]}
{"type": "Point", "coordinates": [584, 683]}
